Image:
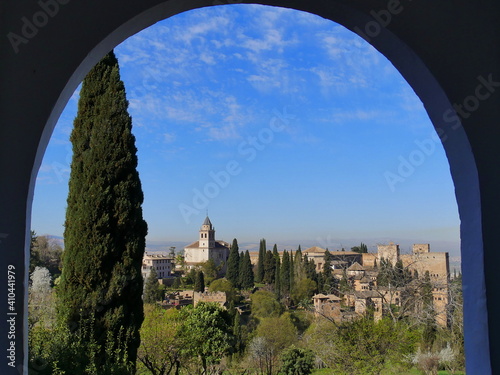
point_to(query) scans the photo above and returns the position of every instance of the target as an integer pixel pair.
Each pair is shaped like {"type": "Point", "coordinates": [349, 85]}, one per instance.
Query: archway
{"type": "Point", "coordinates": [38, 76]}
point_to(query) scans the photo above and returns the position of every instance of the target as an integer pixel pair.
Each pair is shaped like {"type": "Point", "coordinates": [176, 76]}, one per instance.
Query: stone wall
{"type": "Point", "coordinates": [388, 252]}
{"type": "Point", "coordinates": [421, 248]}
{"type": "Point", "coordinates": [369, 260]}
{"type": "Point", "coordinates": [436, 263]}
{"type": "Point", "coordinates": [217, 297]}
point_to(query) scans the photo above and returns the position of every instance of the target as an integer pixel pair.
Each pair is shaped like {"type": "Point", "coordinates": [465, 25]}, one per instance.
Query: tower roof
{"type": "Point", "coordinates": [207, 221]}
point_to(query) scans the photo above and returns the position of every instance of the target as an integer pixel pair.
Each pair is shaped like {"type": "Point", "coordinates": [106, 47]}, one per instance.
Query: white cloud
{"type": "Point", "coordinates": [207, 58]}
{"type": "Point", "coordinates": [199, 30]}
{"type": "Point", "coordinates": [363, 115]}
{"type": "Point", "coordinates": [168, 137]}
{"type": "Point", "coordinates": [147, 105]}
{"type": "Point", "coordinates": [224, 132]}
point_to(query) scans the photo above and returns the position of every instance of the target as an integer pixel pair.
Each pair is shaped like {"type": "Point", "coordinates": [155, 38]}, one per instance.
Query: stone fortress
{"type": "Point", "coordinates": [361, 269]}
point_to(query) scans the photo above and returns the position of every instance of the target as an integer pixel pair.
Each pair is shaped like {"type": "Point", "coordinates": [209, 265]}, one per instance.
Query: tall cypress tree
{"type": "Point", "coordinates": [199, 282]}
{"type": "Point", "coordinates": [152, 291]}
{"type": "Point", "coordinates": [259, 277]}
{"type": "Point", "coordinates": [233, 264]}
{"type": "Point", "coordinates": [246, 272]}
{"type": "Point", "coordinates": [238, 342]}
{"type": "Point", "coordinates": [310, 268]}
{"type": "Point", "coordinates": [298, 264]}
{"type": "Point", "coordinates": [269, 268]}
{"type": "Point", "coordinates": [285, 274]}
{"type": "Point", "coordinates": [104, 230]}
{"type": "Point", "coordinates": [275, 251]}
{"type": "Point", "coordinates": [277, 279]}
{"type": "Point", "coordinates": [241, 269]}
{"type": "Point", "coordinates": [328, 279]}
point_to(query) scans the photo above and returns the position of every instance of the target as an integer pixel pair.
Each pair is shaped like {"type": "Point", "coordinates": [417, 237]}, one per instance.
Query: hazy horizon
{"type": "Point", "coordinates": [327, 243]}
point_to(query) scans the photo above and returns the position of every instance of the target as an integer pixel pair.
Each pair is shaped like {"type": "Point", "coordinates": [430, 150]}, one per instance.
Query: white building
{"type": "Point", "coordinates": [163, 264]}
{"type": "Point", "coordinates": [206, 248]}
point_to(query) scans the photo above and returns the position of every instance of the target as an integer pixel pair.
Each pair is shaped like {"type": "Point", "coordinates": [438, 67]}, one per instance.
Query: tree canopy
{"type": "Point", "coordinates": [206, 334]}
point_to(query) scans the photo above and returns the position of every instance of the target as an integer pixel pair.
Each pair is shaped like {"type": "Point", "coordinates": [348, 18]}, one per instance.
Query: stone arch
{"type": "Point", "coordinates": [445, 51]}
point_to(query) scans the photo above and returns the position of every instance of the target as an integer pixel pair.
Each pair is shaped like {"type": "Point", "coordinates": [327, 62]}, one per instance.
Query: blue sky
{"type": "Point", "coordinates": [282, 125]}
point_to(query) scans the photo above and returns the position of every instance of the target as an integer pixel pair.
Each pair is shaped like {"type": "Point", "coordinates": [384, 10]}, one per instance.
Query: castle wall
{"type": "Point", "coordinates": [369, 260]}
{"type": "Point", "coordinates": [217, 297]}
{"type": "Point", "coordinates": [437, 264]}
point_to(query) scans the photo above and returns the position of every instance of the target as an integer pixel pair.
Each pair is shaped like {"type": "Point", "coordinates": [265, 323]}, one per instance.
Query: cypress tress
{"type": "Point", "coordinates": [246, 272]}
{"type": "Point", "coordinates": [152, 287]}
{"type": "Point", "coordinates": [275, 251]}
{"type": "Point", "coordinates": [285, 274]}
{"type": "Point", "coordinates": [269, 268]}
{"type": "Point", "coordinates": [105, 232]}
{"type": "Point", "coordinates": [328, 279]}
{"type": "Point", "coordinates": [277, 280]}
{"type": "Point", "coordinates": [233, 264]}
{"type": "Point", "coordinates": [199, 282]}
{"type": "Point", "coordinates": [259, 277]}
{"type": "Point", "coordinates": [299, 271]}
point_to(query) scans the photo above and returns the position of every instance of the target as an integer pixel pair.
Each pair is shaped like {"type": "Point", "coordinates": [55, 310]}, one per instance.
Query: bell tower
{"type": "Point", "coordinates": [207, 235]}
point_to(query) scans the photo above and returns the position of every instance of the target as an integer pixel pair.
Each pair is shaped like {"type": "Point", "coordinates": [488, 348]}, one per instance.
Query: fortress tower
{"type": "Point", "coordinates": [388, 252]}
{"type": "Point", "coordinates": [421, 248]}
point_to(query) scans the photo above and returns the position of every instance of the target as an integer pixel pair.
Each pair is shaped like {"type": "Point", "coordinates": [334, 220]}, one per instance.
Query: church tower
{"type": "Point", "coordinates": [207, 248]}
{"type": "Point", "coordinates": [207, 235]}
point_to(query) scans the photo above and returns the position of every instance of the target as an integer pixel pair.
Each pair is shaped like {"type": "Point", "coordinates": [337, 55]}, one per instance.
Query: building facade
{"type": "Point", "coordinates": [161, 262]}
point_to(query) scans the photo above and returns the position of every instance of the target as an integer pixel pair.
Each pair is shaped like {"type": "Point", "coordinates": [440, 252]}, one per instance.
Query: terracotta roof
{"type": "Point", "coordinates": [320, 295]}
{"type": "Point", "coordinates": [331, 297]}
{"type": "Point", "coordinates": [356, 267]}
{"type": "Point", "coordinates": [196, 245]}
{"type": "Point", "coordinates": [341, 253]}
{"type": "Point", "coordinates": [367, 294]}
{"type": "Point", "coordinates": [314, 249]}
